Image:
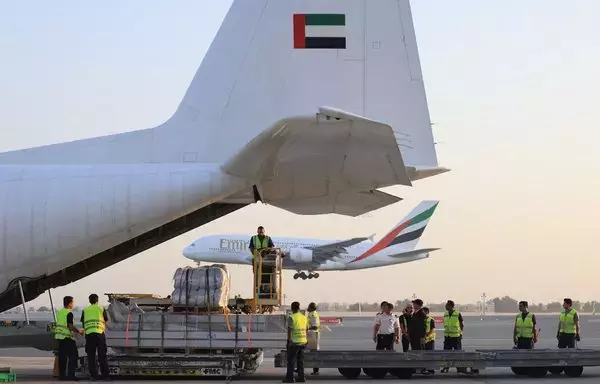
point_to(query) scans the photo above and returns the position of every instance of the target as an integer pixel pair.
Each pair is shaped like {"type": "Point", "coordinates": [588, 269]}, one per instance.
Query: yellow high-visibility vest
{"type": "Point", "coordinates": [93, 319]}
{"type": "Point", "coordinates": [61, 330]}
{"type": "Point", "coordinates": [452, 324]}
{"type": "Point", "coordinates": [524, 327]}
{"type": "Point", "coordinates": [260, 244]}
{"type": "Point", "coordinates": [429, 337]}
{"type": "Point", "coordinates": [315, 315]}
{"type": "Point", "coordinates": [299, 326]}
{"type": "Point", "coordinates": [567, 322]}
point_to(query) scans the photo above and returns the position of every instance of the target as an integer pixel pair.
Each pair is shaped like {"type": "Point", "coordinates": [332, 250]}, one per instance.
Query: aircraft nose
{"type": "Point", "coordinates": [189, 251]}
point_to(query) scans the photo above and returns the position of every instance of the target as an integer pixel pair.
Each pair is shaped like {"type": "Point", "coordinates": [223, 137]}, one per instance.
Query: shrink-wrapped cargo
{"type": "Point", "coordinates": [203, 287]}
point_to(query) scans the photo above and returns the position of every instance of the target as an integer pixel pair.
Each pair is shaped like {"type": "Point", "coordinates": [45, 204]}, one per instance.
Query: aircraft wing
{"type": "Point", "coordinates": [337, 246]}
{"type": "Point", "coordinates": [326, 252]}
{"type": "Point", "coordinates": [328, 162]}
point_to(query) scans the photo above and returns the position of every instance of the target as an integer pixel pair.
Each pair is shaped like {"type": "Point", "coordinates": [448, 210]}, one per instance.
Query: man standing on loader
{"type": "Point", "coordinates": [260, 241]}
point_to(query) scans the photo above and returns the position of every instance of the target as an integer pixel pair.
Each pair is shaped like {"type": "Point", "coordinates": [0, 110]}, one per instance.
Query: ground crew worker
{"type": "Point", "coordinates": [314, 331]}
{"type": "Point", "coordinates": [67, 348]}
{"type": "Point", "coordinates": [416, 327]}
{"type": "Point", "coordinates": [568, 326]}
{"type": "Point", "coordinates": [404, 320]}
{"type": "Point", "coordinates": [94, 320]}
{"type": "Point", "coordinates": [453, 329]}
{"type": "Point", "coordinates": [386, 330]}
{"type": "Point", "coordinates": [296, 343]}
{"type": "Point", "coordinates": [429, 341]}
{"type": "Point", "coordinates": [524, 333]}
{"type": "Point", "coordinates": [260, 241]}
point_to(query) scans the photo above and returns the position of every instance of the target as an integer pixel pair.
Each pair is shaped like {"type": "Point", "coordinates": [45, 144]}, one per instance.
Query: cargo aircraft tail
{"type": "Point", "coordinates": [308, 105]}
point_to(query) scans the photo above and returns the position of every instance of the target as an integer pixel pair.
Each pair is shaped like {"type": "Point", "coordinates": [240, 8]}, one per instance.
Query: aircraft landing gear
{"type": "Point", "coordinates": [304, 276]}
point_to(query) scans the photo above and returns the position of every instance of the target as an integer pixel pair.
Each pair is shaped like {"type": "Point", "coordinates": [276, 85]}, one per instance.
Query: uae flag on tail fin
{"type": "Point", "coordinates": [320, 31]}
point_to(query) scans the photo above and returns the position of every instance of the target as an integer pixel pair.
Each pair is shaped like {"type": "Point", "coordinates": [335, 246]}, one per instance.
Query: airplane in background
{"type": "Point", "coordinates": [398, 246]}
{"type": "Point", "coordinates": [253, 126]}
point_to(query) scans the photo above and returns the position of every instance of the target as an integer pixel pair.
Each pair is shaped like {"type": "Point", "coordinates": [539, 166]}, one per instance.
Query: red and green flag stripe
{"type": "Point", "coordinates": [320, 31]}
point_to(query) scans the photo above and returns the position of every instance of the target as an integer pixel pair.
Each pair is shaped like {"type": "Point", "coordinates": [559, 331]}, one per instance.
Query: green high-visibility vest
{"type": "Point", "coordinates": [452, 325]}
{"type": "Point", "coordinates": [428, 337]}
{"type": "Point", "coordinates": [260, 244]}
{"type": "Point", "coordinates": [567, 322]}
{"type": "Point", "coordinates": [61, 330]}
{"type": "Point", "coordinates": [524, 327]}
{"type": "Point", "coordinates": [93, 319]}
{"type": "Point", "coordinates": [299, 326]}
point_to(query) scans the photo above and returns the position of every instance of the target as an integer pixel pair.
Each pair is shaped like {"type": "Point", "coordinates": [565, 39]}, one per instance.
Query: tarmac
{"type": "Point", "coordinates": [490, 332]}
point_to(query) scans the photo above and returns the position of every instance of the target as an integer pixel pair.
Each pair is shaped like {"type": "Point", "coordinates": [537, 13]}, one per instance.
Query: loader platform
{"type": "Point", "coordinates": [377, 364]}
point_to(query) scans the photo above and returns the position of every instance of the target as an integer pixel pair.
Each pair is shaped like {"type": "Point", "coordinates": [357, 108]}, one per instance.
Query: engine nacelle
{"type": "Point", "coordinates": [301, 255]}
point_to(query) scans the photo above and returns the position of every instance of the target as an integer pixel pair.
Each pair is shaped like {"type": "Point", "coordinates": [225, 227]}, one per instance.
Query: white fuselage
{"type": "Point", "coordinates": [233, 249]}
{"type": "Point", "coordinates": [55, 215]}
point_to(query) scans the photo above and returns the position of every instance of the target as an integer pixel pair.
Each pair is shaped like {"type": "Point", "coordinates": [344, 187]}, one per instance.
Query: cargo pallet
{"type": "Point", "coordinates": [377, 364]}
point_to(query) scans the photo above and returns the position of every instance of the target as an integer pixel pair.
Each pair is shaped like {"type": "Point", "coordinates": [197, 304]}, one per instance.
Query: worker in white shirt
{"type": "Point", "coordinates": [386, 330]}
{"type": "Point", "coordinates": [314, 331]}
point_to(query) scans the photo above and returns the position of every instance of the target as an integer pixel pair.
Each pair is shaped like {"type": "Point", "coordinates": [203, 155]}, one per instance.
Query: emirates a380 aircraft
{"type": "Point", "coordinates": [253, 126]}
{"type": "Point", "coordinates": [311, 255]}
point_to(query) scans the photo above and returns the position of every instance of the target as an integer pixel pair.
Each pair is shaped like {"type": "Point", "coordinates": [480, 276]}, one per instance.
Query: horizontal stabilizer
{"type": "Point", "coordinates": [334, 160]}
{"type": "Point", "coordinates": [414, 252]}
{"type": "Point", "coordinates": [418, 173]}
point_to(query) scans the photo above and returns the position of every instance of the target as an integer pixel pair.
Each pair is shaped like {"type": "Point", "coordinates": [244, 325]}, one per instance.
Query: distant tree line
{"type": "Point", "coordinates": [504, 304]}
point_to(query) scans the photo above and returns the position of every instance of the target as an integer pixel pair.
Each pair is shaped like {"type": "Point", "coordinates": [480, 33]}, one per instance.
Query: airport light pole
{"type": "Point", "coordinates": [483, 304]}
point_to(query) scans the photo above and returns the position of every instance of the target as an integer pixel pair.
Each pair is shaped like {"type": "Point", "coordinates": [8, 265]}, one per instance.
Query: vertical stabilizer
{"type": "Point", "coordinates": [406, 235]}
{"type": "Point", "coordinates": [273, 59]}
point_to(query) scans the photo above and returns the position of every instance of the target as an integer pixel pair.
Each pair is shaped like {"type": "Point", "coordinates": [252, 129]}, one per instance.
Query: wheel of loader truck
{"type": "Point", "coordinates": [349, 373]}
{"type": "Point", "coordinates": [402, 373]}
{"type": "Point", "coordinates": [574, 371]}
{"type": "Point", "coordinates": [519, 370]}
{"type": "Point", "coordinates": [556, 370]}
{"type": "Point", "coordinates": [537, 371]}
{"type": "Point", "coordinates": [375, 373]}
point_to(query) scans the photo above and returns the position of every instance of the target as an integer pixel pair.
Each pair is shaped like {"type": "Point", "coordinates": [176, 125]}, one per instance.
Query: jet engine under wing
{"type": "Point", "coordinates": [330, 162]}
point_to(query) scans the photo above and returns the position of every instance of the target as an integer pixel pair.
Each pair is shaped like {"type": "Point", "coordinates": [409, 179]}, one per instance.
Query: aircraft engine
{"type": "Point", "coordinates": [301, 255]}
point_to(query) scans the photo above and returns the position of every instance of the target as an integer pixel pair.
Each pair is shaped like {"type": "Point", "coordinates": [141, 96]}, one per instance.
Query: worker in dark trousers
{"type": "Point", "coordinates": [404, 320]}
{"type": "Point", "coordinates": [94, 320]}
{"type": "Point", "coordinates": [296, 343]}
{"type": "Point", "coordinates": [453, 331]}
{"type": "Point", "coordinates": [429, 340]}
{"type": "Point", "coordinates": [524, 332]}
{"type": "Point", "coordinates": [67, 348]}
{"type": "Point", "coordinates": [386, 330]}
{"type": "Point", "coordinates": [416, 327]}
{"type": "Point", "coordinates": [568, 326]}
